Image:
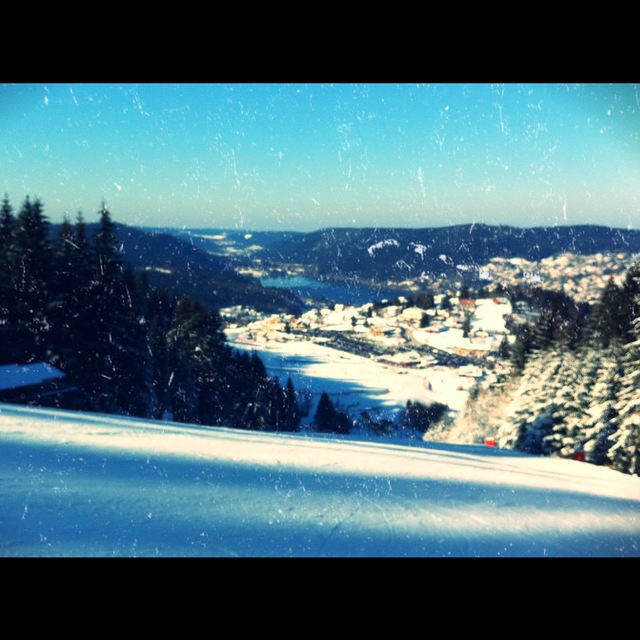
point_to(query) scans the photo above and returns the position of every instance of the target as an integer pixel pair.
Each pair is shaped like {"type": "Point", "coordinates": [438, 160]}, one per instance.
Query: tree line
{"type": "Point", "coordinates": [125, 347]}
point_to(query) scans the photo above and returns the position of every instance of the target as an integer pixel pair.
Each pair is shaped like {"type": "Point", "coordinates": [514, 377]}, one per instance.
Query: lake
{"type": "Point", "coordinates": [347, 293]}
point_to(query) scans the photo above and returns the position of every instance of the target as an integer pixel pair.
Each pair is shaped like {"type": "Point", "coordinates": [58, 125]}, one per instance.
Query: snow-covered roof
{"type": "Point", "coordinates": [13, 376]}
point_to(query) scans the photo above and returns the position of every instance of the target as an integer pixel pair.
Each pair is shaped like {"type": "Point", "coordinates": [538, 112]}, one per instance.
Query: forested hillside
{"type": "Point", "coordinates": [575, 386]}
{"type": "Point", "coordinates": [184, 266]}
{"type": "Point", "coordinates": [124, 346]}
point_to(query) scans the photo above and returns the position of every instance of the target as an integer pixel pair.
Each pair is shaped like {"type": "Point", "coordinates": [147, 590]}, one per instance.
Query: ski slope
{"type": "Point", "coordinates": [77, 484]}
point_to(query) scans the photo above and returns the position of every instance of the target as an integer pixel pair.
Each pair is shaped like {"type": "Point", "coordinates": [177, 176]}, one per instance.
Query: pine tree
{"type": "Point", "coordinates": [521, 349]}
{"type": "Point", "coordinates": [8, 225]}
{"type": "Point", "coordinates": [112, 348]}
{"type": "Point", "coordinates": [158, 312]}
{"type": "Point", "coordinates": [275, 405]}
{"type": "Point", "coordinates": [599, 425]}
{"type": "Point", "coordinates": [182, 391]}
{"type": "Point", "coordinates": [8, 283]}
{"type": "Point", "coordinates": [568, 404]}
{"type": "Point", "coordinates": [625, 452]}
{"type": "Point", "coordinates": [530, 414]}
{"type": "Point", "coordinates": [420, 417]}
{"type": "Point", "coordinates": [34, 262]}
{"type": "Point", "coordinates": [629, 303]}
{"type": "Point", "coordinates": [201, 358]}
{"type": "Point", "coordinates": [328, 418]}
{"type": "Point", "coordinates": [604, 324]}
{"type": "Point", "coordinates": [291, 408]}
{"type": "Point", "coordinates": [64, 290]}
{"type": "Point", "coordinates": [325, 413]}
{"type": "Point", "coordinates": [73, 309]}
{"type": "Point", "coordinates": [558, 323]}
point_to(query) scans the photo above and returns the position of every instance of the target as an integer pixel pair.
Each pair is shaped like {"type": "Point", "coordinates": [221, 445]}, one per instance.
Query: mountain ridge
{"type": "Point", "coordinates": [377, 253]}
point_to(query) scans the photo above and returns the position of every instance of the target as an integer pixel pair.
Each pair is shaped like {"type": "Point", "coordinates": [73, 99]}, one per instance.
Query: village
{"type": "Point", "coordinates": [400, 353]}
{"type": "Point", "coordinates": [404, 335]}
{"type": "Point", "coordinates": [582, 277]}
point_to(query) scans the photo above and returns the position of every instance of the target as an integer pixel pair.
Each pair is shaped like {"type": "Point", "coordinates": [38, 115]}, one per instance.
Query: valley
{"type": "Point", "coordinates": [438, 334]}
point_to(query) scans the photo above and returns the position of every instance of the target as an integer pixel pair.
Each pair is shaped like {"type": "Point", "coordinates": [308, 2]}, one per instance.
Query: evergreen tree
{"type": "Point", "coordinates": [419, 417]}
{"type": "Point", "coordinates": [291, 409]}
{"type": "Point", "coordinates": [466, 325]}
{"type": "Point", "coordinates": [599, 425]}
{"type": "Point", "coordinates": [504, 350]}
{"type": "Point", "coordinates": [604, 325]}
{"type": "Point", "coordinates": [582, 371]}
{"type": "Point", "coordinates": [275, 407]}
{"type": "Point", "coordinates": [629, 303]}
{"type": "Point", "coordinates": [158, 313]}
{"type": "Point", "coordinates": [255, 403]}
{"type": "Point", "coordinates": [112, 345]}
{"type": "Point", "coordinates": [182, 392]}
{"type": "Point", "coordinates": [64, 289]}
{"type": "Point", "coordinates": [567, 403]}
{"type": "Point", "coordinates": [34, 262]}
{"type": "Point", "coordinates": [8, 283]}
{"type": "Point", "coordinates": [328, 418]}
{"type": "Point", "coordinates": [73, 309]}
{"type": "Point", "coordinates": [530, 414]}
{"type": "Point", "coordinates": [555, 323]}
{"type": "Point", "coordinates": [522, 347]}
{"type": "Point", "coordinates": [7, 238]}
{"type": "Point", "coordinates": [105, 245]}
{"type": "Point", "coordinates": [625, 452]}
{"type": "Point", "coordinates": [200, 357]}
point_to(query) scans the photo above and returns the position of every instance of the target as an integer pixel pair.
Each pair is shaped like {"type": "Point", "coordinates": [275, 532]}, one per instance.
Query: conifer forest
{"type": "Point", "coordinates": [69, 300]}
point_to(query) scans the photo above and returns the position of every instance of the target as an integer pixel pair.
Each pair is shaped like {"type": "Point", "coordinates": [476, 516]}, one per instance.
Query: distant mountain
{"type": "Point", "coordinates": [238, 246]}
{"type": "Point", "coordinates": [395, 253]}
{"type": "Point", "coordinates": [185, 268]}
{"type": "Point", "coordinates": [202, 263]}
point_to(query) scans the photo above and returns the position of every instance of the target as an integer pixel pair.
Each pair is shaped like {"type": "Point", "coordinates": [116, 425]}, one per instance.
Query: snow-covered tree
{"type": "Point", "coordinates": [599, 423]}
{"type": "Point", "coordinates": [625, 452]}
{"type": "Point", "coordinates": [565, 404]}
{"type": "Point", "coordinates": [530, 412]}
{"type": "Point", "coordinates": [33, 256]}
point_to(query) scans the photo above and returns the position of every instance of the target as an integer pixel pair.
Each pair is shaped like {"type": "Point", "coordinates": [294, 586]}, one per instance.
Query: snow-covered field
{"type": "Point", "coordinates": [356, 383]}
{"type": "Point", "coordinates": [76, 484]}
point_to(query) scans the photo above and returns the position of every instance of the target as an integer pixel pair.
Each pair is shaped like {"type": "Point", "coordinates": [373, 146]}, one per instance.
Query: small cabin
{"type": "Point", "coordinates": [37, 383]}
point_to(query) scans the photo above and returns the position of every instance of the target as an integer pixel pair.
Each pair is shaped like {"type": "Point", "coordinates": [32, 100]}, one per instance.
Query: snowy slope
{"type": "Point", "coordinates": [76, 484]}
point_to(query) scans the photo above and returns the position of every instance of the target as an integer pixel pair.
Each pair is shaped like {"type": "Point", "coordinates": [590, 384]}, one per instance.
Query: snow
{"type": "Point", "coordinates": [74, 484]}
{"type": "Point", "coordinates": [356, 383]}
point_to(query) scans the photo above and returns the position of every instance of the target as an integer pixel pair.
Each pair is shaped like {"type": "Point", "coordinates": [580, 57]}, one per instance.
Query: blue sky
{"type": "Point", "coordinates": [308, 156]}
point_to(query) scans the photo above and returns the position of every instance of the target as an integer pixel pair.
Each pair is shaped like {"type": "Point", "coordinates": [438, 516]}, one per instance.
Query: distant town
{"type": "Point", "coordinates": [582, 277]}
{"type": "Point", "coordinates": [459, 333]}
